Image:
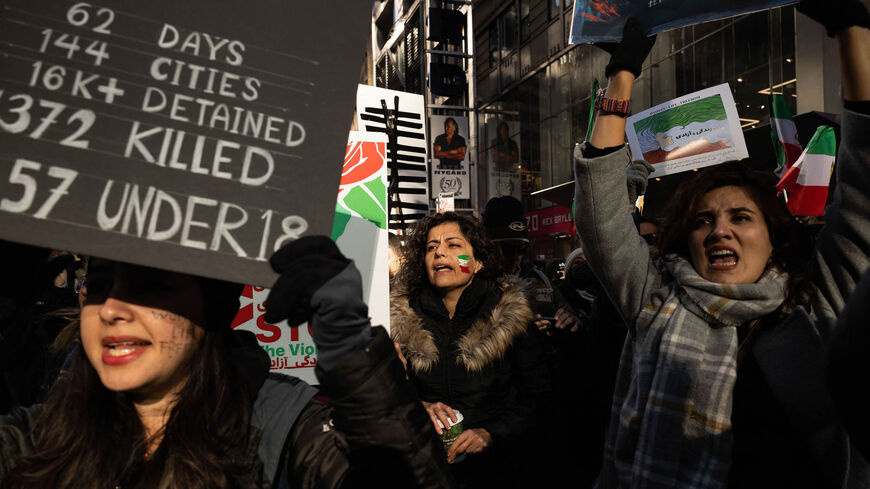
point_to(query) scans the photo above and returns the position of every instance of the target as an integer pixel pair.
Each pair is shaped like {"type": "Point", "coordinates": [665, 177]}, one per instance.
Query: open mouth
{"type": "Point", "coordinates": [119, 349]}
{"type": "Point", "coordinates": [443, 268]}
{"type": "Point", "coordinates": [722, 258]}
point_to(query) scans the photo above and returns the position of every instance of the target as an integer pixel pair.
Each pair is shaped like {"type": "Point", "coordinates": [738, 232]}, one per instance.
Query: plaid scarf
{"type": "Point", "coordinates": [671, 420]}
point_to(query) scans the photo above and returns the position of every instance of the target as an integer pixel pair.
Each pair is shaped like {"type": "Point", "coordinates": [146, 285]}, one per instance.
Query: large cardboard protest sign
{"type": "Point", "coordinates": [360, 231]}
{"type": "Point", "coordinates": [697, 130]}
{"type": "Point", "coordinates": [197, 136]}
{"type": "Point", "coordinates": [603, 20]}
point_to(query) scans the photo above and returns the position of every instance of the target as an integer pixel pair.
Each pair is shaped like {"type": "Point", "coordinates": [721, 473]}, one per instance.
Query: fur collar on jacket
{"type": "Point", "coordinates": [487, 340]}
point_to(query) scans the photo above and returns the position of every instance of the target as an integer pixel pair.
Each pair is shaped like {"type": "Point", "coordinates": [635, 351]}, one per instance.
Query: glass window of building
{"type": "Point", "coordinates": [548, 112]}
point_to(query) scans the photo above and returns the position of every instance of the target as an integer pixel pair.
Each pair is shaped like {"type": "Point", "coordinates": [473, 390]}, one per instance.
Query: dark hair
{"type": "Point", "coordinates": [792, 245]}
{"type": "Point", "coordinates": [413, 273]}
{"type": "Point", "coordinates": [450, 119]}
{"type": "Point", "coordinates": [88, 436]}
{"type": "Point", "coordinates": [395, 242]}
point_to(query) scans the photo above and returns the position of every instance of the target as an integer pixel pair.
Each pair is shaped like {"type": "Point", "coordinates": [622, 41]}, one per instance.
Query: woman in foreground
{"type": "Point", "coordinates": [721, 382]}
{"type": "Point", "coordinates": [162, 393]}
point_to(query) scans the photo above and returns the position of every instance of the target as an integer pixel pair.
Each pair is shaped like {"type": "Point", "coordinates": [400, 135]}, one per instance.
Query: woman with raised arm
{"type": "Point", "coordinates": [721, 381]}
{"type": "Point", "coordinates": [162, 393]}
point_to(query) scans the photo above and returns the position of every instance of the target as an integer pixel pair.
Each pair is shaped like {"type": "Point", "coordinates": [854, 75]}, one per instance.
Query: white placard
{"type": "Point", "coordinates": [446, 202]}
{"type": "Point", "coordinates": [697, 130]}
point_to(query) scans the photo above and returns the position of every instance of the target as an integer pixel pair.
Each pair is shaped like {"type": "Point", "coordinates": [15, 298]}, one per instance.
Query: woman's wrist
{"type": "Point", "coordinates": [619, 85]}
{"type": "Point", "coordinates": [609, 129]}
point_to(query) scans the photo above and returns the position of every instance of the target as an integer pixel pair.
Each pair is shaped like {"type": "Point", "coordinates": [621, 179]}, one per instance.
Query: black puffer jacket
{"type": "Point", "coordinates": [486, 361]}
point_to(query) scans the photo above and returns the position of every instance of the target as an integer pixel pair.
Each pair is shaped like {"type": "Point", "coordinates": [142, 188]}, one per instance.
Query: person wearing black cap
{"type": "Point", "coordinates": [163, 393]}
{"type": "Point", "coordinates": [506, 226]}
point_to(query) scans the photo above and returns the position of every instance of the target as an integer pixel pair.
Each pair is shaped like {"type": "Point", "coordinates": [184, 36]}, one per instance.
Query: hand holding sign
{"type": "Point", "coordinates": [630, 53]}
{"type": "Point", "coordinates": [318, 284]}
{"type": "Point", "coordinates": [305, 265]}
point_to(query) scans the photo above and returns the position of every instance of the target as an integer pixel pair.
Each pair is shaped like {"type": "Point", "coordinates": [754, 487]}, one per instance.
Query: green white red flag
{"type": "Point", "coordinates": [463, 263]}
{"type": "Point", "coordinates": [806, 182]}
{"type": "Point", "coordinates": [783, 133]}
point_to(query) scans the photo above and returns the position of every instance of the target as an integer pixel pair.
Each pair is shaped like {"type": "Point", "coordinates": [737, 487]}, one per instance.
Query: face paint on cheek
{"type": "Point", "coordinates": [463, 263]}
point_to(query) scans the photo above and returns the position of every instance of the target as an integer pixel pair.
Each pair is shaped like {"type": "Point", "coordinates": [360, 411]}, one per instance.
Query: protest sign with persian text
{"type": "Point", "coordinates": [693, 131]}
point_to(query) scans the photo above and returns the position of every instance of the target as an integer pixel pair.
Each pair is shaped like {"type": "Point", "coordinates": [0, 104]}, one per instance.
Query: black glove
{"type": "Point", "coordinates": [305, 265]}
{"type": "Point", "coordinates": [630, 53]}
{"type": "Point", "coordinates": [318, 284]}
{"type": "Point", "coordinates": [637, 178]}
{"type": "Point", "coordinates": [835, 15]}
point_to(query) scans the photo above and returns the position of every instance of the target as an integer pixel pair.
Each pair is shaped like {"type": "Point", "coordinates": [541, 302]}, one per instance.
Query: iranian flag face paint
{"type": "Point", "coordinates": [463, 263]}
{"type": "Point", "coordinates": [450, 260]}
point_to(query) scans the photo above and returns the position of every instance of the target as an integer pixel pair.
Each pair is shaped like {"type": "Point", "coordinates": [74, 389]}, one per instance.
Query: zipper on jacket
{"type": "Point", "coordinates": [448, 362]}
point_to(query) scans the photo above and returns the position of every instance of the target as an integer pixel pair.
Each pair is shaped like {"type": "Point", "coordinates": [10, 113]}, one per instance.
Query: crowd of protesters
{"type": "Point", "coordinates": [712, 347]}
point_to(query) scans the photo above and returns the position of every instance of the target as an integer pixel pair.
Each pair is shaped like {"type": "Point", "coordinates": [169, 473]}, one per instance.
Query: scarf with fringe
{"type": "Point", "coordinates": [671, 420]}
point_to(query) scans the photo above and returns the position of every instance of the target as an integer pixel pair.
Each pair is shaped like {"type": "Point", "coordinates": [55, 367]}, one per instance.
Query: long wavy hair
{"type": "Point", "coordinates": [87, 436]}
{"type": "Point", "coordinates": [413, 274]}
{"type": "Point", "coordinates": [792, 243]}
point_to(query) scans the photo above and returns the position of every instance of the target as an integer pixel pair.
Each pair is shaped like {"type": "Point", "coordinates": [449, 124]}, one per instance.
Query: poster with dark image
{"type": "Point", "coordinates": [603, 20]}
{"type": "Point", "coordinates": [504, 164]}
{"type": "Point", "coordinates": [450, 147]}
{"type": "Point", "coordinates": [504, 152]}
{"type": "Point", "coordinates": [197, 136]}
{"type": "Point", "coordinates": [450, 167]}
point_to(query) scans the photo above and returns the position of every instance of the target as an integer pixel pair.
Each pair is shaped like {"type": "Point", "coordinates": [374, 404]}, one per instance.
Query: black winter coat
{"type": "Point", "coordinates": [486, 361]}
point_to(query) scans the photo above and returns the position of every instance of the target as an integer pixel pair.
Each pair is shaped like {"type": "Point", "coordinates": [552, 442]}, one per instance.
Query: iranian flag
{"type": "Point", "coordinates": [783, 133]}
{"type": "Point", "coordinates": [806, 182]}
{"type": "Point", "coordinates": [463, 263]}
